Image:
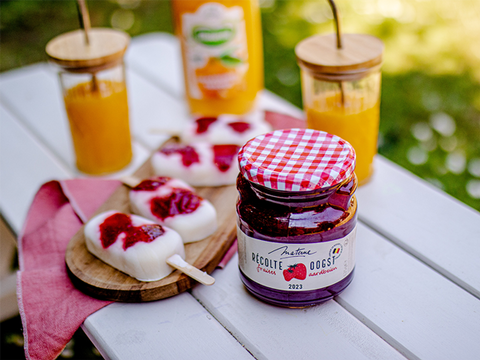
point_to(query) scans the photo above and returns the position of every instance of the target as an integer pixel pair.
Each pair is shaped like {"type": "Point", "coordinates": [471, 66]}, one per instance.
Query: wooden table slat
{"type": "Point", "coordinates": [25, 165]}
{"type": "Point", "coordinates": [431, 225]}
{"type": "Point", "coordinates": [33, 94]}
{"type": "Point", "coordinates": [409, 304]}
{"type": "Point", "coordinates": [156, 56]}
{"type": "Point", "coordinates": [174, 328]}
{"type": "Point", "coordinates": [154, 114]}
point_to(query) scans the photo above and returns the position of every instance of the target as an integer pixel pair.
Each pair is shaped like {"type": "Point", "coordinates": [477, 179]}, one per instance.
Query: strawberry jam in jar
{"type": "Point", "coordinates": [296, 216]}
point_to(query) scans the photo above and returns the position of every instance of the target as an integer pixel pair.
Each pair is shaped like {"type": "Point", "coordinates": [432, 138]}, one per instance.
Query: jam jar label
{"type": "Point", "coordinates": [296, 266]}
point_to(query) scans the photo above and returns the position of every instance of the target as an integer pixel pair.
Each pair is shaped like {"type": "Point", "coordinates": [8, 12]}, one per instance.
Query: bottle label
{"type": "Point", "coordinates": [216, 54]}
{"type": "Point", "coordinates": [296, 266]}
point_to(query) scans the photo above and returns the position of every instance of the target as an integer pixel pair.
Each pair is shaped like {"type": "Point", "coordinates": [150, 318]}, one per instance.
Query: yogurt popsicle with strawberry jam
{"type": "Point", "coordinates": [224, 129]}
{"type": "Point", "coordinates": [198, 164]}
{"type": "Point", "coordinates": [173, 203]}
{"type": "Point", "coordinates": [134, 245]}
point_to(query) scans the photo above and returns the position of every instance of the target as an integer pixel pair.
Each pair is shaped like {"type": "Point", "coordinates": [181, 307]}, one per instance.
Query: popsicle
{"type": "Point", "coordinates": [224, 129]}
{"type": "Point", "coordinates": [173, 203]}
{"type": "Point", "coordinates": [198, 164]}
{"type": "Point", "coordinates": [134, 245]}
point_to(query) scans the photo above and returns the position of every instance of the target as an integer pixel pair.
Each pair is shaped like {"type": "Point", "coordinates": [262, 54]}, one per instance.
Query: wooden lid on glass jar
{"type": "Point", "coordinates": [105, 48]}
{"type": "Point", "coordinates": [320, 56]}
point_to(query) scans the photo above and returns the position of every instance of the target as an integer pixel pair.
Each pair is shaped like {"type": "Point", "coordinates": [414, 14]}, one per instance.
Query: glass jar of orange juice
{"type": "Point", "coordinates": [341, 91]}
{"type": "Point", "coordinates": [92, 76]}
{"type": "Point", "coordinates": [222, 54]}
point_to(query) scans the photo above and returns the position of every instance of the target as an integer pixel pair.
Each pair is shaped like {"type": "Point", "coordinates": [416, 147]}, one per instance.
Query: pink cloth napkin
{"type": "Point", "coordinates": [283, 121]}
{"type": "Point", "coordinates": [51, 308]}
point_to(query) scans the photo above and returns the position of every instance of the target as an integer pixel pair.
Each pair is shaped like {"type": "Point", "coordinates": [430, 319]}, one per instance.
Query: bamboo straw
{"type": "Point", "coordinates": [84, 19]}
{"type": "Point", "coordinates": [85, 25]}
{"type": "Point", "coordinates": [339, 43]}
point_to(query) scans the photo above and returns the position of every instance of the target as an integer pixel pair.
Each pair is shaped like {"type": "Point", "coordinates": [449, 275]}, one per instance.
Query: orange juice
{"type": "Point", "coordinates": [98, 117]}
{"type": "Point", "coordinates": [356, 121]}
{"type": "Point", "coordinates": [222, 54]}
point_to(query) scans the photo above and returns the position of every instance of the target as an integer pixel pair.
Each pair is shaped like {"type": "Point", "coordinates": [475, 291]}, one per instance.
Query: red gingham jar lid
{"type": "Point", "coordinates": [297, 160]}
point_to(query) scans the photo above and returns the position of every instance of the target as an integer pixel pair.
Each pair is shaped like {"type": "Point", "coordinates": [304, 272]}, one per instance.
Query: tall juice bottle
{"type": "Point", "coordinates": [222, 54]}
{"type": "Point", "coordinates": [92, 76]}
{"type": "Point", "coordinates": [341, 91]}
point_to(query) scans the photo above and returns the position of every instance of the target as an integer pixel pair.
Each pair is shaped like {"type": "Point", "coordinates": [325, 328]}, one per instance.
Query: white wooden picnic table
{"type": "Point", "coordinates": [416, 291]}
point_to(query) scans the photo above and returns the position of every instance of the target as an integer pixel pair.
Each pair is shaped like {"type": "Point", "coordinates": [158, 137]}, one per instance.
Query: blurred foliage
{"type": "Point", "coordinates": [430, 112]}
{"type": "Point", "coordinates": [27, 25]}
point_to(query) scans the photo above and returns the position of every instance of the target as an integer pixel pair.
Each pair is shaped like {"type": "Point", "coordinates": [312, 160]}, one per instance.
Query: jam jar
{"type": "Point", "coordinates": [296, 216]}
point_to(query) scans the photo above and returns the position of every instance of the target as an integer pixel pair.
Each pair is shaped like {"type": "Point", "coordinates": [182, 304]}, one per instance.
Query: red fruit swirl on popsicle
{"type": "Point", "coordinates": [119, 223]}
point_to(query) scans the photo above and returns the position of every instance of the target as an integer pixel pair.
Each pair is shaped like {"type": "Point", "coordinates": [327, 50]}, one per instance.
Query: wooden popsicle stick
{"type": "Point", "coordinates": [178, 263]}
{"type": "Point", "coordinates": [130, 181]}
{"type": "Point", "coordinates": [170, 132]}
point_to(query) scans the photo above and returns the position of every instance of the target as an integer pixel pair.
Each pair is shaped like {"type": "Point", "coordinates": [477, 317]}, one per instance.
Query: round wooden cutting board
{"type": "Point", "coordinates": [98, 279]}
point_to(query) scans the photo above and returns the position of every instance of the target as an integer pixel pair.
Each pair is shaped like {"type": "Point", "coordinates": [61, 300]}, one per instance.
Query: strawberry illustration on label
{"type": "Point", "coordinates": [300, 272]}
{"type": "Point", "coordinates": [297, 271]}
{"type": "Point", "coordinates": [288, 274]}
